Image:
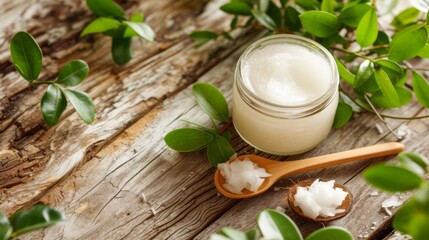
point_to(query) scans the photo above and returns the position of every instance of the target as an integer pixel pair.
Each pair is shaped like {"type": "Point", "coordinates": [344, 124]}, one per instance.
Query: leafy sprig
{"type": "Point", "coordinates": [24, 221]}
{"type": "Point", "coordinates": [272, 224]}
{"type": "Point", "coordinates": [217, 143]}
{"type": "Point", "coordinates": [413, 217]}
{"type": "Point", "coordinates": [27, 59]}
{"type": "Point", "coordinates": [111, 22]}
{"type": "Point", "coordinates": [380, 79]}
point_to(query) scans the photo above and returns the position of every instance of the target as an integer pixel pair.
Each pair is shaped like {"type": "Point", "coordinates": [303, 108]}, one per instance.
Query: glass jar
{"type": "Point", "coordinates": [285, 94]}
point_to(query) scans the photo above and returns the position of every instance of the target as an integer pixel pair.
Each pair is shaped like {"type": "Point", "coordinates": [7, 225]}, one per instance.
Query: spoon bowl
{"type": "Point", "coordinates": [279, 170]}
{"type": "Point", "coordinates": [346, 205]}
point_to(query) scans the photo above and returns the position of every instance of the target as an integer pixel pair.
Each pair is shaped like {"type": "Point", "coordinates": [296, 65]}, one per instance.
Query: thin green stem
{"type": "Point", "coordinates": [381, 114]}
{"type": "Point", "coordinates": [373, 48]}
{"type": "Point", "coordinates": [350, 52]}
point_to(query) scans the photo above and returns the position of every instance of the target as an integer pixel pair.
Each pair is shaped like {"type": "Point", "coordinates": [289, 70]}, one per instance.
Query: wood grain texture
{"type": "Point", "coordinates": [116, 179]}
{"type": "Point", "coordinates": [35, 157]}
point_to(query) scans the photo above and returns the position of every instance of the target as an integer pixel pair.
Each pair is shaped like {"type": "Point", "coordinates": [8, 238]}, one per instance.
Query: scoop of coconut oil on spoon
{"type": "Point", "coordinates": [279, 170]}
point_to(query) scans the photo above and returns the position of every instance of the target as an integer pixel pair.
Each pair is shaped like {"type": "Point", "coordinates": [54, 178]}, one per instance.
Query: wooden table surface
{"type": "Point", "coordinates": [116, 178]}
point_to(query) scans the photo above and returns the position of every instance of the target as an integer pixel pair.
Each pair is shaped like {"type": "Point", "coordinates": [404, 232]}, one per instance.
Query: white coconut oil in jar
{"type": "Point", "coordinates": [285, 94]}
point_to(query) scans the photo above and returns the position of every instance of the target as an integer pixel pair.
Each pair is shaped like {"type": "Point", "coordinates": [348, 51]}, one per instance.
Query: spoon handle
{"type": "Point", "coordinates": [378, 150]}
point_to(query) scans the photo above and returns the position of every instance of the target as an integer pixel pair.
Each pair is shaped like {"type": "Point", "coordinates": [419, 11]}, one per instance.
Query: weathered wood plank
{"type": "Point", "coordinates": [175, 186]}
{"type": "Point", "coordinates": [178, 187]}
{"type": "Point", "coordinates": [35, 157]}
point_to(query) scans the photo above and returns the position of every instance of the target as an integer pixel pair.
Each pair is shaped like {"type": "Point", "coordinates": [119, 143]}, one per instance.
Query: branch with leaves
{"type": "Point", "coordinates": [27, 59]}
{"type": "Point", "coordinates": [25, 221]}
{"type": "Point", "coordinates": [413, 217]}
{"type": "Point", "coordinates": [276, 225]}
{"type": "Point", "coordinates": [350, 30]}
{"type": "Point", "coordinates": [111, 22]}
{"type": "Point", "coordinates": [217, 142]}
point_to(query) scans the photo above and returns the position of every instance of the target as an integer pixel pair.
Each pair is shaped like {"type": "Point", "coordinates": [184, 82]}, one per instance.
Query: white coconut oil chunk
{"type": "Point", "coordinates": [320, 199]}
{"type": "Point", "coordinates": [240, 175]}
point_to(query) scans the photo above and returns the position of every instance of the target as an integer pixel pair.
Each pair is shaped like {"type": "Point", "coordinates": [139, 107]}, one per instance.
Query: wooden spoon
{"type": "Point", "coordinates": [279, 170]}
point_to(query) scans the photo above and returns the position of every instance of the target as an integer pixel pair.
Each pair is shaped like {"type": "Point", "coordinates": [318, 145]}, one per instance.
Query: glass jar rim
{"type": "Point", "coordinates": [280, 110]}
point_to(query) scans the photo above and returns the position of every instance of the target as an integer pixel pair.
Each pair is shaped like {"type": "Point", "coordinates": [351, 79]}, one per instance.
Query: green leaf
{"type": "Point", "coordinates": [413, 219]}
{"type": "Point", "coordinates": [141, 29]}
{"type": "Point", "coordinates": [424, 53]}
{"type": "Point", "coordinates": [407, 44]}
{"type": "Point", "coordinates": [392, 178]}
{"type": "Point", "coordinates": [233, 23]}
{"type": "Point", "coordinates": [417, 158]}
{"type": "Point", "coordinates": [227, 36]}
{"type": "Point", "coordinates": [370, 86]}
{"type": "Point", "coordinates": [187, 139]}
{"type": "Point", "coordinates": [227, 135]}
{"type": "Point", "coordinates": [253, 234]}
{"type": "Point", "coordinates": [264, 19]}
{"type": "Point", "coordinates": [216, 236]}
{"type": "Point", "coordinates": [82, 103]}
{"type": "Point", "coordinates": [393, 69]}
{"type": "Point", "coordinates": [219, 150]}
{"type": "Point", "coordinates": [343, 114]}
{"type": "Point", "coordinates": [364, 73]}
{"type": "Point", "coordinates": [345, 74]}
{"type": "Point", "coordinates": [275, 13]}
{"type": "Point", "coordinates": [379, 100]}
{"type": "Point", "coordinates": [320, 24]}
{"type": "Point", "coordinates": [386, 86]}
{"type": "Point", "coordinates": [105, 8]}
{"type": "Point", "coordinates": [211, 100]}
{"type": "Point", "coordinates": [53, 104]}
{"type": "Point", "coordinates": [136, 18]}
{"type": "Point", "coordinates": [414, 163]}
{"type": "Point", "coordinates": [308, 5]}
{"type": "Point", "coordinates": [382, 39]}
{"type": "Point", "coordinates": [203, 35]}
{"type": "Point", "coordinates": [276, 225]}
{"type": "Point", "coordinates": [330, 233]}
{"type": "Point", "coordinates": [328, 5]}
{"type": "Point", "coordinates": [237, 8]}
{"type": "Point", "coordinates": [263, 5]}
{"type": "Point", "coordinates": [38, 217]}
{"type": "Point", "coordinates": [26, 55]}
{"type": "Point", "coordinates": [292, 20]}
{"type": "Point", "coordinates": [5, 228]}
{"type": "Point", "coordinates": [406, 17]}
{"type": "Point", "coordinates": [421, 89]}
{"type": "Point", "coordinates": [367, 29]}
{"type": "Point", "coordinates": [403, 80]}
{"type": "Point", "coordinates": [99, 25]}
{"type": "Point", "coordinates": [351, 16]}
{"type": "Point", "coordinates": [233, 234]}
{"type": "Point", "coordinates": [73, 73]}
{"type": "Point", "coordinates": [121, 50]}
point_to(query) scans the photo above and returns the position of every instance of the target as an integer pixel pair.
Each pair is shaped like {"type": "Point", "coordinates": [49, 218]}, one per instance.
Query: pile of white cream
{"type": "Point", "coordinates": [320, 199]}
{"type": "Point", "coordinates": [239, 175]}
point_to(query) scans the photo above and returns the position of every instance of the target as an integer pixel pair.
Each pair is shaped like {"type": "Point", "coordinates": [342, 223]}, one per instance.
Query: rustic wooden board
{"type": "Point", "coordinates": [116, 178]}
{"type": "Point", "coordinates": [34, 157]}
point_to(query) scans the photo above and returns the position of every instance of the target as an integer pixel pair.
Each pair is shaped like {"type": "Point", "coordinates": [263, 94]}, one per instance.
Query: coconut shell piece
{"type": "Point", "coordinates": [346, 205]}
